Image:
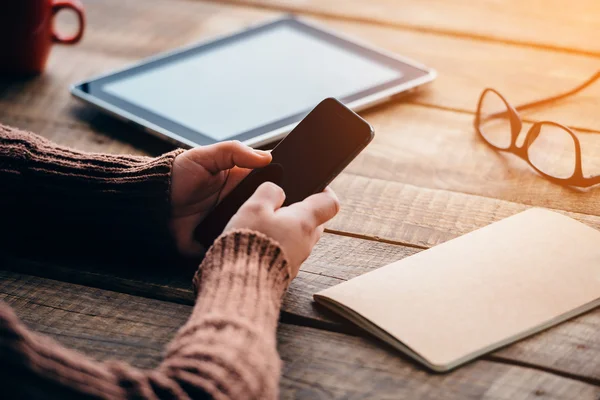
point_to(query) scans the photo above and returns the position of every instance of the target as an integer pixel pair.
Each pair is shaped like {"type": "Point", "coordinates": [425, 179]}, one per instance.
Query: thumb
{"type": "Point", "coordinates": [225, 155]}
{"type": "Point", "coordinates": [267, 195]}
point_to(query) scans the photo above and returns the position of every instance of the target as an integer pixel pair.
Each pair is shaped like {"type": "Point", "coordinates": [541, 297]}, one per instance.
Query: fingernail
{"type": "Point", "coordinates": [262, 153]}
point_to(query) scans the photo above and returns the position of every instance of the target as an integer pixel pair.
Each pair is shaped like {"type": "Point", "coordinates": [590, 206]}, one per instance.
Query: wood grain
{"type": "Point", "coordinates": [422, 217]}
{"type": "Point", "coordinates": [548, 24]}
{"type": "Point", "coordinates": [322, 365]}
{"type": "Point", "coordinates": [317, 364]}
{"type": "Point", "coordinates": [571, 348]}
{"type": "Point", "coordinates": [100, 323]}
{"type": "Point", "coordinates": [130, 29]}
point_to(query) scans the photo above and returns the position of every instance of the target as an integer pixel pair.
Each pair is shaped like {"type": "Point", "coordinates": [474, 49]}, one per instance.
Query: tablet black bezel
{"type": "Point", "coordinates": [94, 87]}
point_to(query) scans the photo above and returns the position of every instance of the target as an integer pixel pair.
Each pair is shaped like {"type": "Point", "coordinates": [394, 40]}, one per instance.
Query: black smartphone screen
{"type": "Point", "coordinates": [304, 163]}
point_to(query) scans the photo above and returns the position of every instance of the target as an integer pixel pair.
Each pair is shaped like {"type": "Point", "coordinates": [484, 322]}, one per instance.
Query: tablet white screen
{"type": "Point", "coordinates": [251, 82]}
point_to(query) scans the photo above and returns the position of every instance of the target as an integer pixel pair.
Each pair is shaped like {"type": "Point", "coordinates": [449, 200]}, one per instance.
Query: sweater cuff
{"type": "Point", "coordinates": [244, 274]}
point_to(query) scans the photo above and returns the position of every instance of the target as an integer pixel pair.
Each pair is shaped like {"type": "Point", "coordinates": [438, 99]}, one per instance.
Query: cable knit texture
{"type": "Point", "coordinates": [226, 350]}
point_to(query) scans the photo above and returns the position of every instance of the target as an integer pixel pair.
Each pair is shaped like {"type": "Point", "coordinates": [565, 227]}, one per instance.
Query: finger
{"type": "Point", "coordinates": [321, 206]}
{"type": "Point", "coordinates": [236, 175]}
{"type": "Point", "coordinates": [268, 194]}
{"type": "Point", "coordinates": [226, 155]}
{"type": "Point", "coordinates": [270, 173]}
{"type": "Point", "coordinates": [329, 190]}
{"type": "Point", "coordinates": [183, 229]}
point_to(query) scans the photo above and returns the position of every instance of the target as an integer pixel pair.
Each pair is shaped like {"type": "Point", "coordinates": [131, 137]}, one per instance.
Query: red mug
{"type": "Point", "coordinates": [27, 33]}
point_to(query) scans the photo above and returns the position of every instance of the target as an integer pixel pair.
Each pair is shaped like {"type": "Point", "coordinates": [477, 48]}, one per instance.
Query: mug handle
{"type": "Point", "coordinates": [76, 6]}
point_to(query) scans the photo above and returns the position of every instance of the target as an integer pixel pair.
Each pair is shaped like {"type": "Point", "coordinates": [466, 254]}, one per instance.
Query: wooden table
{"type": "Point", "coordinates": [425, 179]}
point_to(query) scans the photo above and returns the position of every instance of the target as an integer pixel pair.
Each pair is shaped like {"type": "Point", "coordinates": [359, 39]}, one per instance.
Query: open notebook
{"type": "Point", "coordinates": [466, 297]}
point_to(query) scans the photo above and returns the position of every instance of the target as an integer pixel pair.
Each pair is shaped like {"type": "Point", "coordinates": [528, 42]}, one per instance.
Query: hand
{"type": "Point", "coordinates": [297, 227]}
{"type": "Point", "coordinates": [197, 183]}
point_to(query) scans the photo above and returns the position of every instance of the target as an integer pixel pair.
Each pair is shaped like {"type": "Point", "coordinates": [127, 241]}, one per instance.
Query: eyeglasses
{"type": "Point", "coordinates": [552, 149]}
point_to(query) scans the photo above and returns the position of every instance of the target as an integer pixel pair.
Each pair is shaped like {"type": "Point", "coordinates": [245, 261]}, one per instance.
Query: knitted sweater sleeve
{"type": "Point", "coordinates": [226, 350]}
{"type": "Point", "coordinates": [59, 202]}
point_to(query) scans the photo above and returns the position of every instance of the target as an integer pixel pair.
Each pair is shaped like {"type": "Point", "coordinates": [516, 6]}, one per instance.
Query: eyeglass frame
{"type": "Point", "coordinates": [516, 124]}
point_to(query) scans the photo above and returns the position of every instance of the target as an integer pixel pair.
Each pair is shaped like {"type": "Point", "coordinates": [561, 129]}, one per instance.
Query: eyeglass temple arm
{"type": "Point", "coordinates": [592, 181]}
{"type": "Point", "coordinates": [561, 96]}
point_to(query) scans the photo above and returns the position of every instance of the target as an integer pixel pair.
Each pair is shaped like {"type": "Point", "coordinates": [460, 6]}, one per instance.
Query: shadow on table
{"type": "Point", "coordinates": [169, 282]}
{"type": "Point", "coordinates": [120, 130]}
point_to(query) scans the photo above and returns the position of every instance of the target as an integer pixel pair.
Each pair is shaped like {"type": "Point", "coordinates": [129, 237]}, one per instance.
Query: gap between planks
{"type": "Point", "coordinates": [518, 363]}
{"type": "Point", "coordinates": [376, 238]}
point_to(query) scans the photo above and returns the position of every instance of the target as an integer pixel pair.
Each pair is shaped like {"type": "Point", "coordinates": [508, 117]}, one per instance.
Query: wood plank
{"type": "Point", "coordinates": [416, 216]}
{"type": "Point", "coordinates": [43, 105]}
{"type": "Point", "coordinates": [317, 364]}
{"type": "Point", "coordinates": [571, 348]}
{"type": "Point", "coordinates": [551, 24]}
{"type": "Point", "coordinates": [103, 135]}
{"type": "Point", "coordinates": [100, 323]}
{"type": "Point", "coordinates": [320, 364]}
{"type": "Point", "coordinates": [142, 28]}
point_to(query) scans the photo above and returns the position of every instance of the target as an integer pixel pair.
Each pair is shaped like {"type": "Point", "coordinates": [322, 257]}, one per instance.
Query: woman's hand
{"type": "Point", "coordinates": [200, 177]}
{"type": "Point", "coordinates": [296, 227]}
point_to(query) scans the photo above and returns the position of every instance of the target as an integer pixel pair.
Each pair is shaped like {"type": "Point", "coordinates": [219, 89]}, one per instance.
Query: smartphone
{"type": "Point", "coordinates": [304, 163]}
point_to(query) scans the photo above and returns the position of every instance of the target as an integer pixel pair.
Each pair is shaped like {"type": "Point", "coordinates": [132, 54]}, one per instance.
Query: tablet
{"type": "Point", "coordinates": [253, 86]}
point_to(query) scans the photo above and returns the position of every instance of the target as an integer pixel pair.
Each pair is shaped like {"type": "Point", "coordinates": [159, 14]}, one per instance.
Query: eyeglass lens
{"type": "Point", "coordinates": [494, 122]}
